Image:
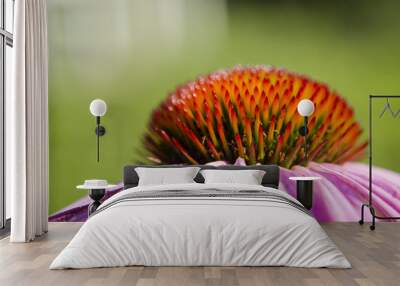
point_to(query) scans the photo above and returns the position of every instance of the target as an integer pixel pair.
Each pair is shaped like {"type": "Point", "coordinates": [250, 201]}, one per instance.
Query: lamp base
{"type": "Point", "coordinates": [100, 130]}
{"type": "Point", "coordinates": [303, 130]}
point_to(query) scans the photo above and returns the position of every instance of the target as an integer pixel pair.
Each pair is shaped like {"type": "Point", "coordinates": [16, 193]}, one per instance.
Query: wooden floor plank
{"type": "Point", "coordinates": [375, 257]}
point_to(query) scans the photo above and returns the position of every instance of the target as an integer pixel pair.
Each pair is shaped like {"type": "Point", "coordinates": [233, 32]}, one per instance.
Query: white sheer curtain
{"type": "Point", "coordinates": [27, 123]}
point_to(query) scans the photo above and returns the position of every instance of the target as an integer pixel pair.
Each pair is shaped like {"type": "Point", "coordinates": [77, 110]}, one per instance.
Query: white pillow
{"type": "Point", "coordinates": [163, 176]}
{"type": "Point", "coordinates": [247, 177]}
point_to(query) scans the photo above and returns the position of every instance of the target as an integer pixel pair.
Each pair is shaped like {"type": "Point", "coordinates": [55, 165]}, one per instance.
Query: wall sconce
{"type": "Point", "coordinates": [305, 108]}
{"type": "Point", "coordinates": [98, 108]}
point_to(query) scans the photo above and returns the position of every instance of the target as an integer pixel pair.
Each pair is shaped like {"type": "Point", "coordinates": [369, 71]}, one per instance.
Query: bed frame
{"type": "Point", "coordinates": [271, 177]}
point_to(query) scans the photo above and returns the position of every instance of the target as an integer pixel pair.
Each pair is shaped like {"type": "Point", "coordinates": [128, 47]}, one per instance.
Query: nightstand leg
{"type": "Point", "coordinates": [305, 193]}
{"type": "Point", "coordinates": [96, 195]}
{"type": "Point", "coordinates": [93, 207]}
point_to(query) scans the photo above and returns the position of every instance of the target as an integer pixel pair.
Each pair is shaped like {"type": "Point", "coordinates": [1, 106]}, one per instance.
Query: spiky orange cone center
{"type": "Point", "coordinates": [250, 112]}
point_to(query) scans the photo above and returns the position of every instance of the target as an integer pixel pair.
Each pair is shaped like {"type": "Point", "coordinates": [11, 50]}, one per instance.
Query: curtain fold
{"type": "Point", "coordinates": [28, 123]}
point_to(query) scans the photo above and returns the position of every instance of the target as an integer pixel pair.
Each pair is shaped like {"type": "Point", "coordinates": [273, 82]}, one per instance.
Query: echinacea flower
{"type": "Point", "coordinates": [247, 115]}
{"type": "Point", "coordinates": [250, 112]}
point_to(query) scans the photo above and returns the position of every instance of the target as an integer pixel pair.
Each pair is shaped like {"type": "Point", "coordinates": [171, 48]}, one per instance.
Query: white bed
{"type": "Point", "coordinates": [185, 230]}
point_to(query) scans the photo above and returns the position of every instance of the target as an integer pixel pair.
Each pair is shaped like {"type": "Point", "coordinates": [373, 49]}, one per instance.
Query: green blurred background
{"type": "Point", "coordinates": [131, 53]}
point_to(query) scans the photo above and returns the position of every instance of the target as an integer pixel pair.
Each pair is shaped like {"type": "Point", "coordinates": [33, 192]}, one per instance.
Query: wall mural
{"type": "Point", "coordinates": [247, 115]}
{"type": "Point", "coordinates": [157, 66]}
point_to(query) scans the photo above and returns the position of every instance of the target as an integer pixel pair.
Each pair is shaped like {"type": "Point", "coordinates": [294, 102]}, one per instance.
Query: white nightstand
{"type": "Point", "coordinates": [97, 190]}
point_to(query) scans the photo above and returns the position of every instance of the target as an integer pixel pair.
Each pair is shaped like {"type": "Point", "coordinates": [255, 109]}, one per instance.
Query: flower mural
{"type": "Point", "coordinates": [250, 112]}
{"type": "Point", "coordinates": [247, 115]}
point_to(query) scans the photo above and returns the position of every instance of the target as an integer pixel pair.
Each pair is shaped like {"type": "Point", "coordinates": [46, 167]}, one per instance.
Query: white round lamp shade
{"type": "Point", "coordinates": [98, 107]}
{"type": "Point", "coordinates": [305, 107]}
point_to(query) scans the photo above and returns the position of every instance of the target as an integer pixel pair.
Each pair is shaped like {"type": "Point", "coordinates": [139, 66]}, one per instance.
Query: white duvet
{"type": "Point", "coordinates": [200, 231]}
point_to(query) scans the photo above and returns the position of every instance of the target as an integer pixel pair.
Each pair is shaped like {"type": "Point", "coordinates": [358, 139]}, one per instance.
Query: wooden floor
{"type": "Point", "coordinates": [375, 257]}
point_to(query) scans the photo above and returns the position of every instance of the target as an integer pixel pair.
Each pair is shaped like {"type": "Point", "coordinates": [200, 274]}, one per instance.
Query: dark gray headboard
{"type": "Point", "coordinates": [271, 177]}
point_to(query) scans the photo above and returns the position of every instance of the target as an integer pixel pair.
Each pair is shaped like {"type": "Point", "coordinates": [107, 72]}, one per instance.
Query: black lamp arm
{"type": "Point", "coordinates": [303, 132]}
{"type": "Point", "coordinates": [305, 138]}
{"type": "Point", "coordinates": [100, 131]}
